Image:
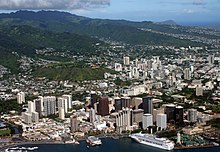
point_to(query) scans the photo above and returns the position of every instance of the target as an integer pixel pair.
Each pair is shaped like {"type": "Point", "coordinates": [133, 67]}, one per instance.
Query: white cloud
{"type": "Point", "coordinates": [52, 4]}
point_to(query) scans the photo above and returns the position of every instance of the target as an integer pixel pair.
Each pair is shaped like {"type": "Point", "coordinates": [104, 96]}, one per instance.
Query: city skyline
{"type": "Point", "coordinates": [186, 12]}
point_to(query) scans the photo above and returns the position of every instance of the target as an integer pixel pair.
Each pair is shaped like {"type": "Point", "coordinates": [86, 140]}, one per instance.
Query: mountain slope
{"type": "Point", "coordinates": [116, 30]}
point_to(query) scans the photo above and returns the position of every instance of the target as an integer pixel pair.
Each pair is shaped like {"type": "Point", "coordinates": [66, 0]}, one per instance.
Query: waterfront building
{"type": "Point", "coordinates": [103, 106]}
{"type": "Point", "coordinates": [161, 121]}
{"type": "Point", "coordinates": [178, 115]}
{"type": "Point", "coordinates": [192, 115]}
{"type": "Point", "coordinates": [92, 116]}
{"type": "Point", "coordinates": [148, 104]}
{"type": "Point", "coordinates": [170, 111]}
{"type": "Point", "coordinates": [73, 123]}
{"type": "Point", "coordinates": [137, 116]}
{"type": "Point", "coordinates": [147, 120]}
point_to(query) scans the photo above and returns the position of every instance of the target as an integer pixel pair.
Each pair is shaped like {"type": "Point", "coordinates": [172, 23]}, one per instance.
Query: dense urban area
{"type": "Point", "coordinates": [59, 96]}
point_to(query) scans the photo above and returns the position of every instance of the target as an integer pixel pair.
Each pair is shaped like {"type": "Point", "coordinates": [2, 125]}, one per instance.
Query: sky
{"type": "Point", "coordinates": [187, 12]}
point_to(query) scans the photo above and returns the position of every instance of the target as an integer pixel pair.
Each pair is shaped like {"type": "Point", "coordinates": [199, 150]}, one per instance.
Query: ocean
{"type": "Point", "coordinates": [110, 145]}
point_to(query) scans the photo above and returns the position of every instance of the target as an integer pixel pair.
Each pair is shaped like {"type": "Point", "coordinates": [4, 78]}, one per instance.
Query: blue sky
{"type": "Point", "coordinates": [181, 11]}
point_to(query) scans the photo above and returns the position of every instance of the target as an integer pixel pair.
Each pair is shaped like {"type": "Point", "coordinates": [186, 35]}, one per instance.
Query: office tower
{"type": "Point", "coordinates": [187, 74]}
{"type": "Point", "coordinates": [123, 120]}
{"type": "Point", "coordinates": [27, 118]}
{"type": "Point", "coordinates": [156, 112]}
{"type": "Point", "coordinates": [192, 115]}
{"type": "Point", "coordinates": [126, 60]}
{"type": "Point", "coordinates": [69, 100]}
{"type": "Point", "coordinates": [93, 99]}
{"type": "Point", "coordinates": [61, 113]}
{"type": "Point", "coordinates": [92, 116]}
{"type": "Point", "coordinates": [137, 116]}
{"type": "Point", "coordinates": [103, 106]}
{"type": "Point", "coordinates": [21, 97]}
{"type": "Point", "coordinates": [147, 120]}
{"type": "Point", "coordinates": [170, 111]}
{"type": "Point", "coordinates": [179, 115]}
{"type": "Point", "coordinates": [73, 123]}
{"type": "Point", "coordinates": [62, 103]}
{"type": "Point", "coordinates": [118, 105]}
{"type": "Point", "coordinates": [31, 107]}
{"type": "Point", "coordinates": [125, 102]}
{"type": "Point", "coordinates": [39, 105]}
{"type": "Point", "coordinates": [136, 103]}
{"type": "Point", "coordinates": [35, 117]}
{"type": "Point", "coordinates": [148, 104]}
{"type": "Point", "coordinates": [199, 91]}
{"type": "Point", "coordinates": [161, 121]}
{"type": "Point", "coordinates": [211, 59]}
{"type": "Point", "coordinates": [49, 103]}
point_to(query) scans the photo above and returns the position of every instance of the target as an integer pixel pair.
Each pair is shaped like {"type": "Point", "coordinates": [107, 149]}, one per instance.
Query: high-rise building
{"type": "Point", "coordinates": [161, 121]}
{"type": "Point", "coordinates": [35, 117]}
{"type": "Point", "coordinates": [118, 105]}
{"type": "Point", "coordinates": [136, 103]}
{"type": "Point", "coordinates": [21, 97]}
{"type": "Point", "coordinates": [93, 99]}
{"type": "Point", "coordinates": [103, 106]}
{"type": "Point", "coordinates": [170, 111]}
{"type": "Point", "coordinates": [147, 120]}
{"type": "Point", "coordinates": [31, 107]}
{"type": "Point", "coordinates": [62, 103]}
{"type": "Point", "coordinates": [187, 74]}
{"type": "Point", "coordinates": [178, 115]}
{"type": "Point", "coordinates": [137, 116]}
{"type": "Point", "coordinates": [125, 102]}
{"type": "Point", "coordinates": [39, 105]}
{"type": "Point", "coordinates": [123, 120]}
{"type": "Point", "coordinates": [92, 116]}
{"type": "Point", "coordinates": [156, 112]}
{"type": "Point", "coordinates": [148, 104]}
{"type": "Point", "coordinates": [69, 100]}
{"type": "Point", "coordinates": [192, 115]}
{"type": "Point", "coordinates": [61, 113]}
{"type": "Point", "coordinates": [199, 91]}
{"type": "Point", "coordinates": [211, 59]}
{"type": "Point", "coordinates": [49, 103]}
{"type": "Point", "coordinates": [27, 118]}
{"type": "Point", "coordinates": [126, 60]}
{"type": "Point", "coordinates": [73, 123]}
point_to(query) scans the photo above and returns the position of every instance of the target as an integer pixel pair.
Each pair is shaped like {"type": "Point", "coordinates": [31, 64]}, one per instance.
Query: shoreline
{"type": "Point", "coordinates": [3, 148]}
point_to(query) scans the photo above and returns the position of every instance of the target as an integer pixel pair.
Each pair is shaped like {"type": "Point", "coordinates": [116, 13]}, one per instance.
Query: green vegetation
{"type": "Point", "coordinates": [215, 123]}
{"type": "Point", "coordinates": [120, 82]}
{"type": "Point", "coordinates": [5, 132]}
{"type": "Point", "coordinates": [6, 106]}
{"type": "Point", "coordinates": [71, 72]}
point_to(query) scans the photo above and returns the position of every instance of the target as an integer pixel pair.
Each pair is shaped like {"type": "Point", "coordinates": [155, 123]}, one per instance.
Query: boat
{"type": "Point", "coordinates": [93, 141]}
{"type": "Point", "coordinates": [152, 140]}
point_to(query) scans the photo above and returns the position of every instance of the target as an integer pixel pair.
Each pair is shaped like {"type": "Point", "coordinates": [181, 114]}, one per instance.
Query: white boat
{"type": "Point", "coordinates": [93, 141]}
{"type": "Point", "coordinates": [152, 140]}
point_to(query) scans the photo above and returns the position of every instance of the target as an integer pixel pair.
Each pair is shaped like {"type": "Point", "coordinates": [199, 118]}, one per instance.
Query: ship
{"type": "Point", "coordinates": [93, 141]}
{"type": "Point", "coordinates": [152, 140]}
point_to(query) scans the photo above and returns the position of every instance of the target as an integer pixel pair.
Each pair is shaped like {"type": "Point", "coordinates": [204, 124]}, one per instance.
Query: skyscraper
{"type": "Point", "coordinates": [63, 103]}
{"type": "Point", "coordinates": [73, 123]}
{"type": "Point", "coordinates": [31, 107]}
{"type": "Point", "coordinates": [125, 102]}
{"type": "Point", "coordinates": [117, 105]}
{"type": "Point", "coordinates": [49, 103]}
{"type": "Point", "coordinates": [126, 60]}
{"type": "Point", "coordinates": [39, 105]}
{"type": "Point", "coordinates": [92, 117]}
{"type": "Point", "coordinates": [192, 115]}
{"type": "Point", "coordinates": [103, 106]}
{"type": "Point", "coordinates": [61, 113]}
{"type": "Point", "coordinates": [147, 120]}
{"type": "Point", "coordinates": [179, 115]}
{"type": "Point", "coordinates": [21, 97]}
{"type": "Point", "coordinates": [148, 105]}
{"type": "Point", "coordinates": [93, 99]}
{"type": "Point", "coordinates": [69, 100]}
{"type": "Point", "coordinates": [161, 121]}
{"type": "Point", "coordinates": [187, 74]}
{"type": "Point", "coordinates": [170, 111]}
